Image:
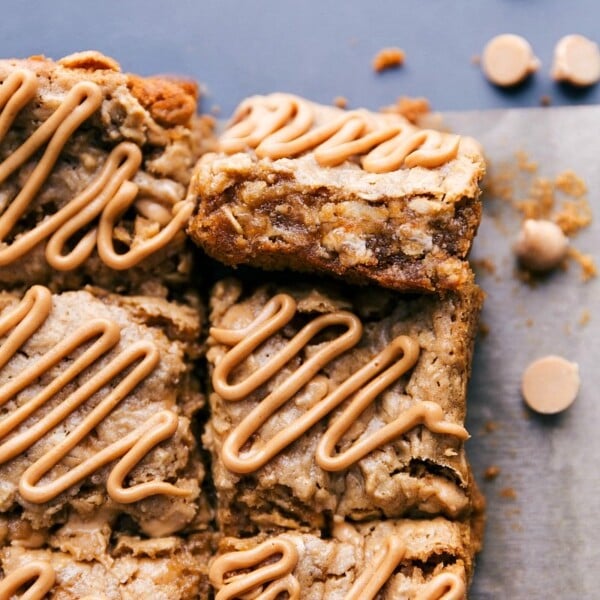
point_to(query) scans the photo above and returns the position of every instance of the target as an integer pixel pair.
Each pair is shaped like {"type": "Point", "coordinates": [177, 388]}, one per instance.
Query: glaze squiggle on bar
{"type": "Point", "coordinates": [283, 125]}
{"type": "Point", "coordinates": [278, 575]}
{"type": "Point", "coordinates": [41, 572]}
{"type": "Point", "coordinates": [362, 387]}
{"type": "Point", "coordinates": [104, 201]}
{"type": "Point", "coordinates": [374, 576]}
{"type": "Point", "coordinates": [137, 360]}
{"type": "Point", "coordinates": [445, 586]}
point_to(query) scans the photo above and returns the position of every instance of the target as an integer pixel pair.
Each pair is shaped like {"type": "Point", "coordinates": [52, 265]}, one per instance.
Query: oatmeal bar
{"type": "Point", "coordinates": [167, 568]}
{"type": "Point", "coordinates": [339, 401]}
{"type": "Point", "coordinates": [367, 197]}
{"type": "Point", "coordinates": [94, 168]}
{"type": "Point", "coordinates": [97, 396]}
{"type": "Point", "coordinates": [409, 559]}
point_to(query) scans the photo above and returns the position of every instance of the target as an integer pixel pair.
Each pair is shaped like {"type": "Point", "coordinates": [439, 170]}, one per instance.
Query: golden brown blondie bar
{"type": "Point", "coordinates": [337, 401]}
{"type": "Point", "coordinates": [94, 168]}
{"type": "Point", "coordinates": [97, 395]}
{"type": "Point", "coordinates": [379, 560]}
{"type": "Point", "coordinates": [364, 196]}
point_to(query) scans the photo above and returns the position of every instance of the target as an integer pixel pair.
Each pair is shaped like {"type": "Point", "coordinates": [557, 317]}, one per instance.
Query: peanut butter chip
{"type": "Point", "coordinates": [541, 245]}
{"type": "Point", "coordinates": [576, 60]}
{"type": "Point", "coordinates": [550, 384]}
{"type": "Point", "coordinates": [508, 59]}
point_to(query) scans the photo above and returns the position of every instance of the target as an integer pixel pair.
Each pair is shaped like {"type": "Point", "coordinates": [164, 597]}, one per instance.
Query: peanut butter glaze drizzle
{"type": "Point", "coordinates": [104, 201]}
{"type": "Point", "coordinates": [40, 571]}
{"type": "Point", "coordinates": [362, 388]}
{"type": "Point", "coordinates": [138, 360]}
{"type": "Point", "coordinates": [374, 575]}
{"type": "Point", "coordinates": [283, 125]}
{"type": "Point", "coordinates": [278, 575]}
{"type": "Point", "coordinates": [445, 586]}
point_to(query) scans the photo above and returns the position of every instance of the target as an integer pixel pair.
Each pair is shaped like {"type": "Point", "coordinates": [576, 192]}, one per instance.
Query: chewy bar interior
{"type": "Point", "coordinates": [97, 396]}
{"type": "Point", "coordinates": [94, 168]}
{"type": "Point", "coordinates": [387, 560]}
{"type": "Point", "coordinates": [336, 401]}
{"type": "Point", "coordinates": [363, 196]}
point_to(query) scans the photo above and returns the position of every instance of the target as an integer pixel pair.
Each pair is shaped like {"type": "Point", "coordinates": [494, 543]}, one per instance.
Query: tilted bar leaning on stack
{"type": "Point", "coordinates": [359, 195]}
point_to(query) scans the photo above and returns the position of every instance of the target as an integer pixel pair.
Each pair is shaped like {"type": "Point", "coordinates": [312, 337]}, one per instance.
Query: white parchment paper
{"type": "Point", "coordinates": [545, 542]}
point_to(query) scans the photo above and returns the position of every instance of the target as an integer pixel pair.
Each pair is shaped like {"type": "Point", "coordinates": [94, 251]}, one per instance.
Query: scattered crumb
{"type": "Point", "coordinates": [562, 200]}
{"type": "Point", "coordinates": [353, 41]}
{"type": "Point", "coordinates": [571, 184]}
{"type": "Point", "coordinates": [484, 329]}
{"type": "Point", "coordinates": [215, 109]}
{"type": "Point", "coordinates": [490, 426]}
{"type": "Point", "coordinates": [476, 59]}
{"type": "Point", "coordinates": [545, 100]}
{"type": "Point", "coordinates": [485, 264]}
{"type": "Point", "coordinates": [529, 323]}
{"type": "Point", "coordinates": [508, 493]}
{"type": "Point", "coordinates": [586, 262]}
{"type": "Point", "coordinates": [525, 163]}
{"type": "Point", "coordinates": [585, 317]}
{"type": "Point", "coordinates": [412, 109]}
{"type": "Point", "coordinates": [388, 58]}
{"type": "Point", "coordinates": [491, 472]}
{"type": "Point", "coordinates": [340, 101]}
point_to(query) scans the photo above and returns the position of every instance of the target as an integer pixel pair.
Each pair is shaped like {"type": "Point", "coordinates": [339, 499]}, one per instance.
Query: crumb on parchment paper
{"type": "Point", "coordinates": [585, 317]}
{"type": "Point", "coordinates": [388, 58]}
{"type": "Point", "coordinates": [491, 472]}
{"type": "Point", "coordinates": [509, 493]}
{"type": "Point", "coordinates": [562, 199]}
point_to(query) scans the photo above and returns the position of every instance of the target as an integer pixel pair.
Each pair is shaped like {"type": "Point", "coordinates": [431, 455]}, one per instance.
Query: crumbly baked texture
{"type": "Point", "coordinates": [425, 555]}
{"type": "Point", "coordinates": [91, 120]}
{"type": "Point", "coordinates": [417, 473]}
{"type": "Point", "coordinates": [126, 362]}
{"type": "Point", "coordinates": [165, 568]}
{"type": "Point", "coordinates": [405, 228]}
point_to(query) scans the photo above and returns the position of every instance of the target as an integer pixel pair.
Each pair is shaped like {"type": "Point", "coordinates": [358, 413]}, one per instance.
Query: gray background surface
{"type": "Point", "coordinates": [318, 48]}
{"type": "Point", "coordinates": [545, 543]}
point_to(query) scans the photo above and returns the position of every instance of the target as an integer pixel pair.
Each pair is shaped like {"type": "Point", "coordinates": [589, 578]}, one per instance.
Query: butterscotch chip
{"type": "Point", "coordinates": [550, 384]}
{"type": "Point", "coordinates": [541, 245]}
{"type": "Point", "coordinates": [508, 59]}
{"type": "Point", "coordinates": [576, 61]}
{"type": "Point", "coordinates": [388, 58]}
